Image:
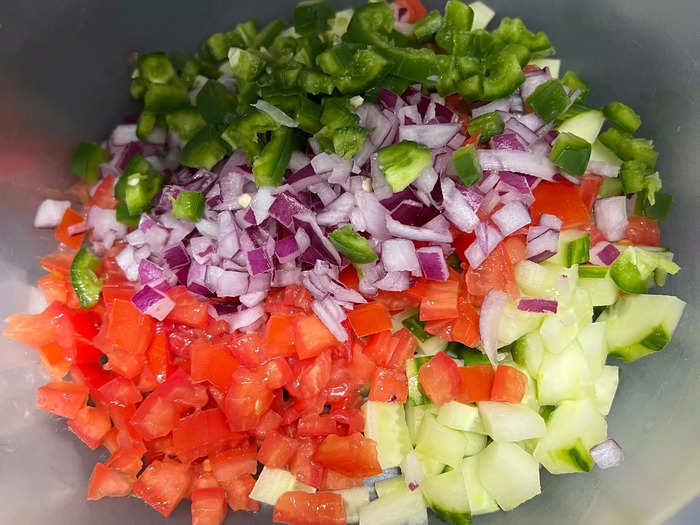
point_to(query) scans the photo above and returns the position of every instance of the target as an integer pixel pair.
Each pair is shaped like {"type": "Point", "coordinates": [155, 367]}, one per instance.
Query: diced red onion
{"type": "Point", "coordinates": [176, 257]}
{"type": "Point", "coordinates": [521, 131]}
{"type": "Point", "coordinates": [407, 212]}
{"type": "Point", "coordinates": [507, 141]}
{"type": "Point", "coordinates": [456, 207]}
{"type": "Point", "coordinates": [197, 279]}
{"type": "Point", "coordinates": [150, 272]}
{"type": "Point", "coordinates": [153, 302]}
{"type": "Point", "coordinates": [604, 254]}
{"type": "Point", "coordinates": [338, 211]}
{"type": "Point", "coordinates": [489, 321]}
{"type": "Point", "coordinates": [550, 221]}
{"type": "Point", "coordinates": [607, 454]}
{"type": "Point", "coordinates": [436, 230]}
{"type": "Point", "coordinates": [332, 316]}
{"type": "Point", "coordinates": [232, 284]}
{"type": "Point", "coordinates": [511, 217]}
{"type": "Point", "coordinates": [426, 180]}
{"type": "Point", "coordinates": [432, 135]}
{"type": "Point", "coordinates": [389, 100]}
{"type": "Point", "coordinates": [537, 305]}
{"type": "Point", "coordinates": [532, 120]}
{"type": "Point", "coordinates": [399, 255]}
{"type": "Point", "coordinates": [409, 115]}
{"type": "Point", "coordinates": [394, 282]}
{"type": "Point", "coordinates": [543, 246]}
{"type": "Point", "coordinates": [287, 249]}
{"type": "Point", "coordinates": [532, 81]}
{"type": "Point", "coordinates": [260, 204]}
{"type": "Point", "coordinates": [49, 213]}
{"type": "Point", "coordinates": [126, 260]}
{"type": "Point", "coordinates": [374, 215]}
{"type": "Point", "coordinates": [487, 238]}
{"type": "Point", "coordinates": [611, 217]}
{"type": "Point", "coordinates": [244, 317]}
{"type": "Point", "coordinates": [124, 134]}
{"type": "Point", "coordinates": [517, 161]}
{"type": "Point", "coordinates": [252, 299]}
{"type": "Point", "coordinates": [433, 264]}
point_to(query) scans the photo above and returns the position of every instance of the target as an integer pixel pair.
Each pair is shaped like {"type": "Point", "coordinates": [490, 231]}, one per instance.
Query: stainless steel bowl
{"type": "Point", "coordinates": [64, 78]}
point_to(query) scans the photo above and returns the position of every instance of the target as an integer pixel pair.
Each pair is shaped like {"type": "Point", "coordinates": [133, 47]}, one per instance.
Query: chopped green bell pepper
{"type": "Point", "coordinates": [267, 34]}
{"type": "Point", "coordinates": [243, 35]}
{"type": "Point", "coordinates": [628, 147]}
{"type": "Point", "coordinates": [243, 132]}
{"type": "Point", "coordinates": [137, 88]}
{"type": "Point", "coordinates": [349, 140]}
{"type": "Point", "coordinates": [501, 76]}
{"type": "Point", "coordinates": [204, 150]}
{"type": "Point", "coordinates": [403, 162]}
{"type": "Point", "coordinates": [217, 45]}
{"type": "Point", "coordinates": [426, 27]}
{"type": "Point", "coordinates": [270, 165]}
{"type": "Point", "coordinates": [487, 125]}
{"type": "Point", "coordinates": [610, 188]}
{"type": "Point", "coordinates": [410, 63]}
{"type": "Point", "coordinates": [632, 174]}
{"type": "Point", "coordinates": [549, 100]}
{"type": "Point", "coordinates": [145, 124]}
{"type": "Point", "coordinates": [139, 189]}
{"type": "Point", "coordinates": [312, 16]}
{"type": "Point", "coordinates": [513, 31]}
{"type": "Point", "coordinates": [246, 64]}
{"type": "Point", "coordinates": [634, 268]}
{"type": "Point", "coordinates": [659, 210]}
{"type": "Point", "coordinates": [164, 98]}
{"type": "Point", "coordinates": [622, 116]}
{"type": "Point", "coordinates": [188, 205]}
{"type": "Point", "coordinates": [454, 31]}
{"type": "Point", "coordinates": [466, 163]}
{"type": "Point", "coordinates": [366, 67]}
{"type": "Point", "coordinates": [352, 245]}
{"type": "Point", "coordinates": [86, 161]}
{"type": "Point", "coordinates": [185, 122]}
{"type": "Point", "coordinates": [156, 68]}
{"type": "Point", "coordinates": [123, 216]}
{"type": "Point", "coordinates": [216, 104]}
{"type": "Point", "coordinates": [574, 82]}
{"type": "Point", "coordinates": [83, 279]}
{"type": "Point", "coordinates": [315, 82]}
{"type": "Point", "coordinates": [571, 153]}
{"type": "Point", "coordinates": [371, 24]}
{"type": "Point", "coordinates": [416, 327]}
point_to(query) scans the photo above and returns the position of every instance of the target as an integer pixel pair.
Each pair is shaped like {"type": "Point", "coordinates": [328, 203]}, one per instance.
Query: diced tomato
{"type": "Point", "coordinates": [62, 398]}
{"type": "Point", "coordinates": [125, 363]}
{"type": "Point", "coordinates": [247, 399]}
{"type": "Point", "coordinates": [590, 184]}
{"type": "Point", "coordinates": [208, 506]}
{"type": "Point", "coordinates": [404, 346]}
{"type": "Point", "coordinates": [248, 349]}
{"type": "Point", "coordinates": [36, 330]}
{"type": "Point", "coordinates": [515, 248]}
{"type": "Point", "coordinates": [304, 466]}
{"type": "Point", "coordinates": [509, 385]}
{"type": "Point", "coordinates": [441, 328]}
{"type": "Point", "coordinates": [439, 379]}
{"type": "Point", "coordinates": [370, 318]}
{"type": "Point", "coordinates": [389, 386]}
{"type": "Point", "coordinates": [316, 425]}
{"type": "Point", "coordinates": [54, 287]}
{"type": "Point", "coordinates": [202, 478]}
{"type": "Point", "coordinates": [159, 448]}
{"type": "Point", "coordinates": [298, 296]}
{"type": "Point", "coordinates": [213, 363]}
{"type": "Point", "coordinates": [180, 390]}
{"type": "Point", "coordinates": [200, 434]}
{"type": "Point", "coordinates": [82, 352]}
{"type": "Point", "coordinates": [348, 276]}
{"type": "Point", "coordinates": [354, 456]}
{"type": "Point", "coordinates": [561, 198]}
{"type": "Point", "coordinates": [380, 348]}
{"type": "Point", "coordinates": [475, 383]}
{"type": "Point", "coordinates": [350, 418]}
{"type": "Point", "coordinates": [269, 422]}
{"type": "Point", "coordinates": [188, 309]}
{"type": "Point", "coordinates": [127, 460]}
{"type": "Point", "coordinates": [90, 375]}
{"type": "Point", "coordinates": [279, 336]}
{"type": "Point", "coordinates": [465, 329]}
{"type": "Point", "coordinates": [155, 417]}
{"type": "Point", "coordinates": [595, 234]}
{"type": "Point", "coordinates": [130, 329]}
{"type": "Point", "coordinates": [237, 492]}
{"type": "Point", "coordinates": [233, 463]}
{"type": "Point", "coordinates": [416, 10]}
{"type": "Point", "coordinates": [51, 356]}
{"type": "Point", "coordinates": [397, 301]}
{"type": "Point", "coordinates": [496, 272]}
{"type": "Point", "coordinates": [277, 450]}
{"type": "Point", "coordinates": [70, 217]}
{"type": "Point", "coordinates": [117, 289]}
{"type": "Point", "coordinates": [108, 483]}
{"type": "Point", "coordinates": [103, 197]}
{"type": "Point", "coordinates": [361, 367]}
{"type": "Point", "coordinates": [642, 231]}
{"type": "Point", "coordinates": [91, 425]}
{"type": "Point", "coordinates": [277, 373]}
{"type": "Point", "coordinates": [311, 336]}
{"type": "Point", "coordinates": [163, 485]}
{"type": "Point", "coordinates": [461, 243]}
{"type": "Point", "coordinates": [440, 301]}
{"type": "Point", "coordinates": [333, 480]}
{"type": "Point", "coordinates": [313, 378]}
{"type": "Point", "coordinates": [119, 390]}
{"type": "Point", "coordinates": [302, 508]}
{"type": "Point", "coordinates": [57, 262]}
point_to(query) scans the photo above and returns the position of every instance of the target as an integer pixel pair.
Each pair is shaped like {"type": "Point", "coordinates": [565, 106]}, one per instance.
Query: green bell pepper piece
{"type": "Point", "coordinates": [216, 46]}
{"type": "Point", "coordinates": [574, 82]}
{"type": "Point", "coordinates": [610, 188]}
{"type": "Point", "coordinates": [571, 153]}
{"type": "Point", "coordinates": [411, 64]}
{"type": "Point", "coordinates": [307, 49]}
{"type": "Point", "coordinates": [246, 64]}
{"type": "Point", "coordinates": [466, 163]}
{"type": "Point", "coordinates": [349, 140]}
{"type": "Point", "coordinates": [487, 125]}
{"type": "Point", "coordinates": [456, 24]}
{"type": "Point", "coordinates": [403, 162]}
{"type": "Point", "coordinates": [243, 35]}
{"type": "Point", "coordinates": [164, 98]}
{"type": "Point", "coordinates": [145, 124]}
{"type": "Point", "coordinates": [156, 68]}
{"type": "Point", "coordinates": [336, 60]}
{"type": "Point", "coordinates": [659, 210]}
{"type": "Point", "coordinates": [185, 122]}
{"type": "Point", "coordinates": [622, 116]}
{"type": "Point", "coordinates": [188, 205]}
{"type": "Point", "coordinates": [243, 132]}
{"type": "Point", "coordinates": [137, 88]}
{"type": "Point", "coordinates": [549, 100]}
{"type": "Point", "coordinates": [416, 327]}
{"type": "Point", "coordinates": [123, 216]}
{"type": "Point", "coordinates": [270, 165]}
{"type": "Point", "coordinates": [371, 24]}
{"type": "Point", "coordinates": [634, 268]}
{"type": "Point", "coordinates": [366, 67]}
{"type": "Point", "coordinates": [312, 16]}
{"type": "Point", "coordinates": [204, 150]}
{"type": "Point", "coordinates": [216, 104]}
{"type": "Point", "coordinates": [86, 160]}
{"type": "Point", "coordinates": [501, 76]}
{"type": "Point", "coordinates": [136, 165]}
{"type": "Point", "coordinates": [632, 174]}
{"type": "Point", "coordinates": [426, 27]}
{"type": "Point", "coordinates": [83, 279]}
{"type": "Point", "coordinates": [267, 34]}
{"type": "Point", "coordinates": [139, 190]}
{"type": "Point", "coordinates": [352, 245]}
{"type": "Point", "coordinates": [315, 82]}
{"type": "Point", "coordinates": [628, 147]}
{"type": "Point", "coordinates": [513, 31]}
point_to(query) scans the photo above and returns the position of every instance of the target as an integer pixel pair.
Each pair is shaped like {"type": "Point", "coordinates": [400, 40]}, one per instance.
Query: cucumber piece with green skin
{"type": "Point", "coordinates": [273, 482]}
{"type": "Point", "coordinates": [446, 495]}
{"type": "Point", "coordinates": [586, 125]}
{"type": "Point", "coordinates": [353, 499]}
{"type": "Point", "coordinates": [634, 268]}
{"type": "Point", "coordinates": [573, 248]}
{"type": "Point", "coordinates": [429, 465]}
{"type": "Point", "coordinates": [440, 442]}
{"type": "Point", "coordinates": [460, 416]}
{"type": "Point", "coordinates": [432, 346]}
{"type": "Point", "coordinates": [511, 421]}
{"type": "Point", "coordinates": [385, 423]}
{"type": "Point", "coordinates": [564, 376]}
{"type": "Point", "coordinates": [546, 280]}
{"type": "Point", "coordinates": [416, 396]}
{"type": "Point", "coordinates": [414, 418]}
{"type": "Point", "coordinates": [601, 153]}
{"type": "Point", "coordinates": [594, 346]}
{"type": "Point", "coordinates": [390, 486]}
{"type": "Point", "coordinates": [515, 323]}
{"type": "Point", "coordinates": [475, 443]}
{"type": "Point", "coordinates": [597, 282]}
{"type": "Point", "coordinates": [573, 428]}
{"type": "Point", "coordinates": [509, 474]}
{"type": "Point", "coordinates": [559, 330]}
{"type": "Point", "coordinates": [638, 325]}
{"type": "Point", "coordinates": [606, 387]}
{"type": "Point", "coordinates": [480, 501]}
{"type": "Point", "coordinates": [399, 508]}
{"type": "Point", "coordinates": [528, 352]}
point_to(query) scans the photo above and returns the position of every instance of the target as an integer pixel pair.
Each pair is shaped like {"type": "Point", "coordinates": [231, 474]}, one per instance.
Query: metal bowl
{"type": "Point", "coordinates": [65, 78]}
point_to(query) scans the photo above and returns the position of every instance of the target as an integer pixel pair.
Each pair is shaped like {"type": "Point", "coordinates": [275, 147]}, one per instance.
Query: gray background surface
{"type": "Point", "coordinates": [64, 78]}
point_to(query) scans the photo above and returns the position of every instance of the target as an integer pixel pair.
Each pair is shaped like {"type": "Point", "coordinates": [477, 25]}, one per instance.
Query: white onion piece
{"type": "Point", "coordinates": [517, 161]}
{"type": "Point", "coordinates": [611, 217]}
{"type": "Point", "coordinates": [607, 454]}
{"type": "Point", "coordinates": [399, 255]}
{"type": "Point", "coordinates": [432, 135]}
{"type": "Point", "coordinates": [511, 217]}
{"type": "Point", "coordinates": [49, 213]}
{"type": "Point", "coordinates": [489, 320]}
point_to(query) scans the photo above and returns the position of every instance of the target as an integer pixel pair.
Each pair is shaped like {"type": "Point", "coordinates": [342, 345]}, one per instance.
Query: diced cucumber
{"type": "Point", "coordinates": [594, 346]}
{"type": "Point", "coordinates": [447, 495]}
{"type": "Point", "coordinates": [605, 388]}
{"type": "Point", "coordinates": [414, 418]}
{"type": "Point", "coordinates": [354, 499]}
{"type": "Point", "coordinates": [515, 323]}
{"type": "Point", "coordinates": [430, 466]}
{"type": "Point", "coordinates": [440, 442]}
{"type": "Point", "coordinates": [460, 416]}
{"type": "Point", "coordinates": [546, 280]}
{"type": "Point", "coordinates": [601, 290]}
{"type": "Point", "coordinates": [573, 248]}
{"type": "Point", "coordinates": [586, 125]}
{"type": "Point", "coordinates": [509, 474]}
{"type": "Point", "coordinates": [602, 153]}
{"type": "Point", "coordinates": [432, 346]}
{"type": "Point", "coordinates": [475, 443]}
{"type": "Point", "coordinates": [573, 428]}
{"type": "Point", "coordinates": [528, 351]}
{"type": "Point", "coordinates": [558, 330]}
{"type": "Point", "coordinates": [273, 482]}
{"type": "Point", "coordinates": [398, 318]}
{"type": "Point", "coordinates": [564, 376]}
{"type": "Point", "coordinates": [390, 486]}
{"type": "Point", "coordinates": [480, 501]}
{"type": "Point", "coordinates": [510, 421]}
{"type": "Point", "coordinates": [415, 393]}
{"type": "Point", "coordinates": [385, 423]}
{"type": "Point", "coordinates": [638, 325]}
{"type": "Point", "coordinates": [412, 470]}
{"type": "Point", "coordinates": [483, 14]}
{"type": "Point", "coordinates": [400, 508]}
{"type": "Point", "coordinates": [554, 65]}
{"type": "Point", "coordinates": [583, 307]}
